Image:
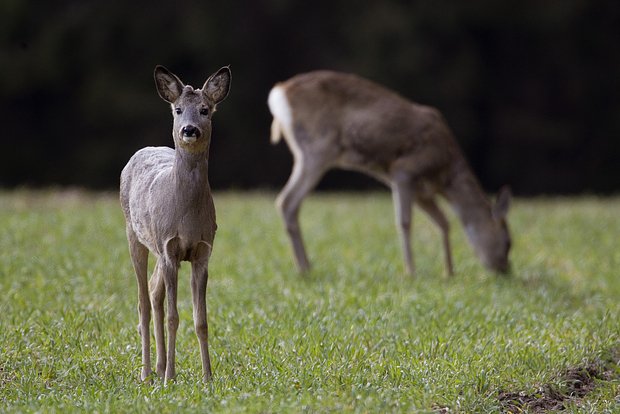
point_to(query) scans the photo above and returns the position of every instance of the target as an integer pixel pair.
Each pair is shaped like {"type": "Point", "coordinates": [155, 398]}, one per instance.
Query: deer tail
{"type": "Point", "coordinates": [281, 111]}
{"type": "Point", "coordinates": [276, 131]}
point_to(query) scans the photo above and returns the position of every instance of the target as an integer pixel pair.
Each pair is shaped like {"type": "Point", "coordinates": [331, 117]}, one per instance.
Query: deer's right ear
{"type": "Point", "coordinates": [169, 86]}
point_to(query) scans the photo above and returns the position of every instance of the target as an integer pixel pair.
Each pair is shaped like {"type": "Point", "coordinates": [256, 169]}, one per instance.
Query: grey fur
{"type": "Point", "coordinates": [169, 211]}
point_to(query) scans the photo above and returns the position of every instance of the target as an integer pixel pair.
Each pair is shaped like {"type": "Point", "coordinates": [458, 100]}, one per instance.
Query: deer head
{"type": "Point", "coordinates": [192, 109]}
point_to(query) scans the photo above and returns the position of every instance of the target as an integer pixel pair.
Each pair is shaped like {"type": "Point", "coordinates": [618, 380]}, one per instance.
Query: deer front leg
{"type": "Point", "coordinates": [139, 257]}
{"type": "Point", "coordinates": [402, 196]}
{"type": "Point", "coordinates": [170, 273]}
{"type": "Point", "coordinates": [432, 209]}
{"type": "Point", "coordinates": [158, 295]}
{"type": "Point", "coordinates": [200, 276]}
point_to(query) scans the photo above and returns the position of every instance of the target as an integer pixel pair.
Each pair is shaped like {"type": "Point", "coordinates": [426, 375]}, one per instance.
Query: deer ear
{"type": "Point", "coordinates": [169, 86]}
{"type": "Point", "coordinates": [217, 86]}
{"type": "Point", "coordinates": [502, 204]}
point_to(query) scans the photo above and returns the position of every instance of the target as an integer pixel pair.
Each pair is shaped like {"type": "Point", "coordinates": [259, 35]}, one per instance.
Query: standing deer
{"type": "Point", "coordinates": [331, 119]}
{"type": "Point", "coordinates": [166, 199]}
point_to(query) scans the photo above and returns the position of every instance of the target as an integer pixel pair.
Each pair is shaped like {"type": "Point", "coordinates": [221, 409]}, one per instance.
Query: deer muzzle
{"type": "Point", "coordinates": [190, 134]}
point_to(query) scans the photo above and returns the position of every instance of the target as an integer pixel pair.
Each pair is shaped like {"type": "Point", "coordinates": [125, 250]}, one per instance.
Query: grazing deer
{"type": "Point", "coordinates": [169, 210]}
{"type": "Point", "coordinates": [331, 119]}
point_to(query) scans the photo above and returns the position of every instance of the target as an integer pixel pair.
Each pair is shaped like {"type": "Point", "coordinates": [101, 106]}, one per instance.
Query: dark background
{"type": "Point", "coordinates": [530, 87]}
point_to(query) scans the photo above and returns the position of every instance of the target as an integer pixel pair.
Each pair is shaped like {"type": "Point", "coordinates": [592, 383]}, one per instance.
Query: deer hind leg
{"type": "Point", "coordinates": [303, 179]}
{"type": "Point", "coordinates": [200, 276]}
{"type": "Point", "coordinates": [402, 195]}
{"type": "Point", "coordinates": [158, 294]}
{"type": "Point", "coordinates": [432, 209]}
{"type": "Point", "coordinates": [139, 258]}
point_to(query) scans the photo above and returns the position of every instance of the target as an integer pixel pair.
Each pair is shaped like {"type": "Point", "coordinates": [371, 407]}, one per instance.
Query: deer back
{"type": "Point", "coordinates": [370, 126]}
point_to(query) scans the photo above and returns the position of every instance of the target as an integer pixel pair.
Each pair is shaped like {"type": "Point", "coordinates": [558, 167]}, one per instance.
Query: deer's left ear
{"type": "Point", "coordinates": [502, 204]}
{"type": "Point", "coordinates": [217, 86]}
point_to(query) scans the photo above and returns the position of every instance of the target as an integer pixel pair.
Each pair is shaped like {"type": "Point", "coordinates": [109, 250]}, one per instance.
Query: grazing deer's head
{"type": "Point", "coordinates": [492, 243]}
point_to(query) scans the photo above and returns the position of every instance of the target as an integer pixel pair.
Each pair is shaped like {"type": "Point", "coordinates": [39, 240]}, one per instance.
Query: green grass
{"type": "Point", "coordinates": [355, 335]}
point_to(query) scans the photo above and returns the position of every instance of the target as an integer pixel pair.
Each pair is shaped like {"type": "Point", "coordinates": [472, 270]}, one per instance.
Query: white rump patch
{"type": "Point", "coordinates": [283, 120]}
{"type": "Point", "coordinates": [280, 108]}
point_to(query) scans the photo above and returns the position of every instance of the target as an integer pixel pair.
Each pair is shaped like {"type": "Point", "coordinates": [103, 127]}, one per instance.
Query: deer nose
{"type": "Point", "coordinates": [190, 131]}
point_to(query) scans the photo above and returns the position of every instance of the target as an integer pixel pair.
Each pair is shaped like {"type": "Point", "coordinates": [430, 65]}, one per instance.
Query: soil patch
{"type": "Point", "coordinates": [572, 384]}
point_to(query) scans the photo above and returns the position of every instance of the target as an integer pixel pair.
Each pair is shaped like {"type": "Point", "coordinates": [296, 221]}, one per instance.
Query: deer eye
{"type": "Point", "coordinates": [178, 111]}
{"type": "Point", "coordinates": [204, 111]}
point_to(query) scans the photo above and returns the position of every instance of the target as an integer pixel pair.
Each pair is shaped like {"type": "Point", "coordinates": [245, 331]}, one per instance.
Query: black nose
{"type": "Point", "coordinates": [190, 131]}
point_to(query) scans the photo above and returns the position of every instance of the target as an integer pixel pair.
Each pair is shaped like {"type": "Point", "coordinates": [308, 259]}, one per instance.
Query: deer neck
{"type": "Point", "coordinates": [468, 199]}
{"type": "Point", "coordinates": [191, 173]}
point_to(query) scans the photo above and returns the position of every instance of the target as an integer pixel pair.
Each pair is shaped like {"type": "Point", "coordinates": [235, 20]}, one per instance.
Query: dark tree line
{"type": "Point", "coordinates": [531, 88]}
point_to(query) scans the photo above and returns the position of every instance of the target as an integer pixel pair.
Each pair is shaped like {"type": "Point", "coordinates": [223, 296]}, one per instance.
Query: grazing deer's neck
{"type": "Point", "coordinates": [467, 197]}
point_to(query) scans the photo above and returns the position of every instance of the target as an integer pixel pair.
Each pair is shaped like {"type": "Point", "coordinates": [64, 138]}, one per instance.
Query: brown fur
{"type": "Point", "coordinates": [337, 120]}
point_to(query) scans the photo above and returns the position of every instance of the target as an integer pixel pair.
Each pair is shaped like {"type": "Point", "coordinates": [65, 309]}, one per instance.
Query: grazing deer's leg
{"type": "Point", "coordinates": [139, 257]}
{"type": "Point", "coordinates": [158, 294]}
{"type": "Point", "coordinates": [403, 198]}
{"type": "Point", "coordinates": [303, 179]}
{"type": "Point", "coordinates": [200, 276]}
{"type": "Point", "coordinates": [432, 209]}
{"type": "Point", "coordinates": [170, 273]}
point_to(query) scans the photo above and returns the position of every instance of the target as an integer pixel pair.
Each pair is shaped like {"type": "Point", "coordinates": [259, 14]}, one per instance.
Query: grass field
{"type": "Point", "coordinates": [355, 335]}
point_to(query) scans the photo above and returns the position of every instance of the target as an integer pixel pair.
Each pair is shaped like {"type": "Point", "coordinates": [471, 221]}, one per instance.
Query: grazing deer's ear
{"type": "Point", "coordinates": [169, 86]}
{"type": "Point", "coordinates": [217, 86]}
{"type": "Point", "coordinates": [502, 204]}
